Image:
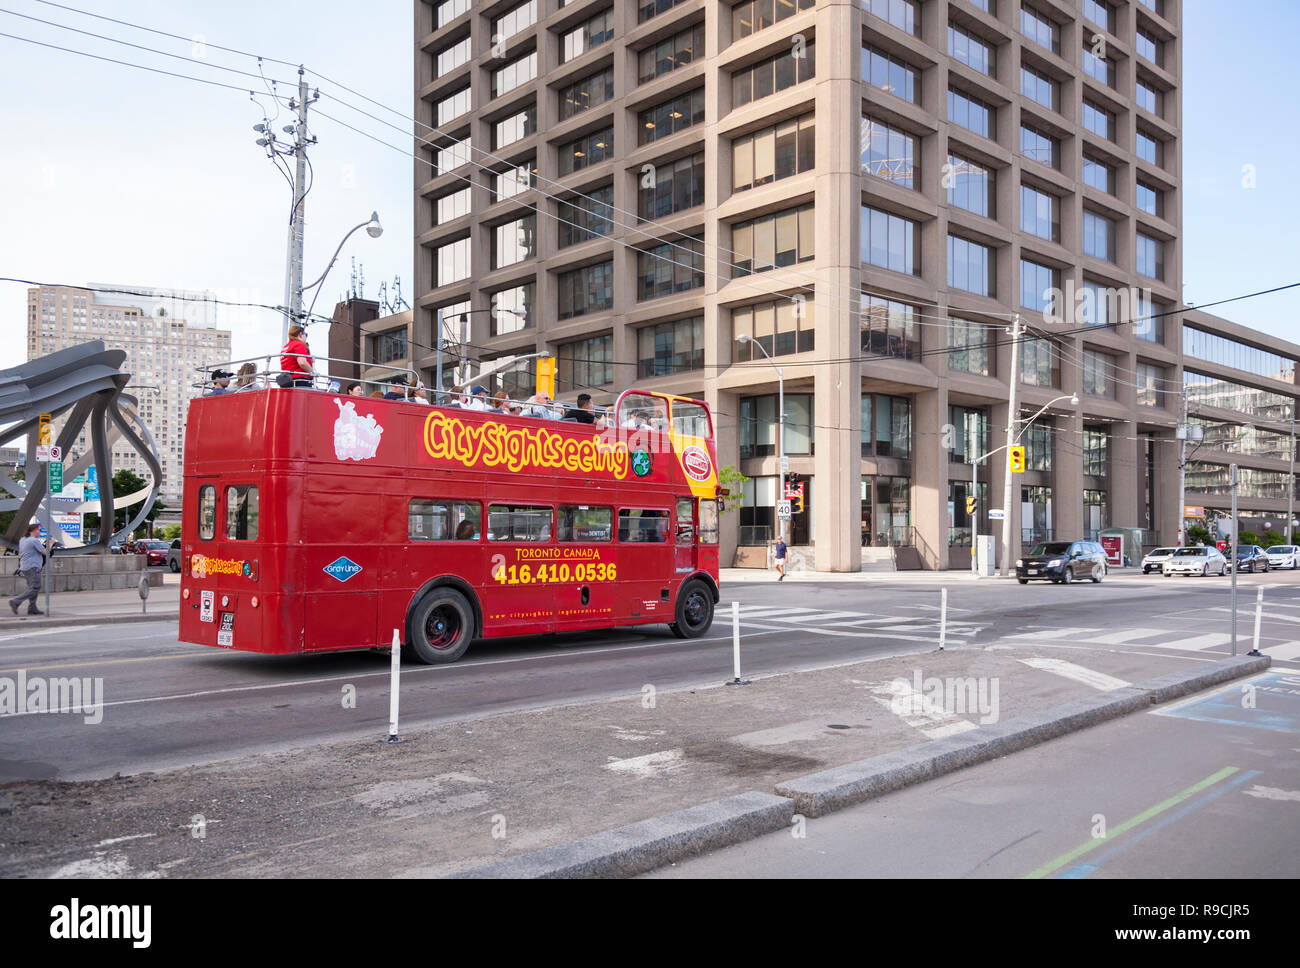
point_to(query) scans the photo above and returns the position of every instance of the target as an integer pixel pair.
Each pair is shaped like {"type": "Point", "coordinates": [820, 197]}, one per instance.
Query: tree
{"type": "Point", "coordinates": [170, 532]}
{"type": "Point", "coordinates": [1273, 538]}
{"type": "Point", "coordinates": [1247, 538]}
{"type": "Point", "coordinates": [734, 481]}
{"type": "Point", "coordinates": [1198, 535]}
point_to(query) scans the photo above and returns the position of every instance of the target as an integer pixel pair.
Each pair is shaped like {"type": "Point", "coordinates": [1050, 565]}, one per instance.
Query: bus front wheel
{"type": "Point", "coordinates": [442, 626]}
{"type": "Point", "coordinates": [694, 611]}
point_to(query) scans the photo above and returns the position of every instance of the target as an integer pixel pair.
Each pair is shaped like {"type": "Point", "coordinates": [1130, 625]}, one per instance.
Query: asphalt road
{"type": "Point", "coordinates": [1204, 787]}
{"type": "Point", "coordinates": [170, 704]}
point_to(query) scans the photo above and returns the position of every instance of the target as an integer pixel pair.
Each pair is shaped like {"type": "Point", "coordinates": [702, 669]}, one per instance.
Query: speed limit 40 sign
{"type": "Point", "coordinates": [783, 510]}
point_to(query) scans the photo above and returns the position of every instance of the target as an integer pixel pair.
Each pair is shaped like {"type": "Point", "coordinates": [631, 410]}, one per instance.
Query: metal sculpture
{"type": "Point", "coordinates": [88, 381]}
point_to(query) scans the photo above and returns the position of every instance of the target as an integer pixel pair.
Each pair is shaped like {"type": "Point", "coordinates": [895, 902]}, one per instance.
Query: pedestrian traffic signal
{"type": "Point", "coordinates": [799, 504]}
{"type": "Point", "coordinates": [970, 504]}
{"type": "Point", "coordinates": [1017, 455]}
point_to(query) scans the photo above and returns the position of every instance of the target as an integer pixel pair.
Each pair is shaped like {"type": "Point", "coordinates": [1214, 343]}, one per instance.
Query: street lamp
{"type": "Point", "coordinates": [779, 526]}
{"type": "Point", "coordinates": [373, 229]}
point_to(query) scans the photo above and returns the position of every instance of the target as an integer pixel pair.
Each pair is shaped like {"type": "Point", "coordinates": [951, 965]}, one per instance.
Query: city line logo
{"type": "Point", "coordinates": [38, 694]}
{"type": "Point", "coordinates": [72, 922]}
{"type": "Point", "coordinates": [342, 568]}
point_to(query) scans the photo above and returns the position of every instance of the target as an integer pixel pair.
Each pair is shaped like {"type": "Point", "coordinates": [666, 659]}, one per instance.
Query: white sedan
{"type": "Point", "coordinates": [1196, 561]}
{"type": "Point", "coordinates": [1154, 560]}
{"type": "Point", "coordinates": [1283, 556]}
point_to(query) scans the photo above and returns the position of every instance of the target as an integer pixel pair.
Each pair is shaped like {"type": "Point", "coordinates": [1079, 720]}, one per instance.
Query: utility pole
{"type": "Point", "coordinates": [1182, 472]}
{"type": "Point", "coordinates": [1290, 481]}
{"type": "Point", "coordinates": [1013, 378]}
{"type": "Point", "coordinates": [302, 139]}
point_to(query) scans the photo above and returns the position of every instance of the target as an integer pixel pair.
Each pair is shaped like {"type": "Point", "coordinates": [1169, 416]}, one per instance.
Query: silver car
{"type": "Point", "coordinates": [1196, 561]}
{"type": "Point", "coordinates": [1283, 556]}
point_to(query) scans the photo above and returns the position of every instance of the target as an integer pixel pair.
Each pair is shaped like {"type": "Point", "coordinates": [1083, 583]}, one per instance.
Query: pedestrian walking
{"type": "Point", "coordinates": [780, 558]}
{"type": "Point", "coordinates": [31, 565]}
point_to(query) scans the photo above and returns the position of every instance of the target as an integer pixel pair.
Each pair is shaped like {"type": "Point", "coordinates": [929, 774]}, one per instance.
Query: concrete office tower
{"type": "Point", "coordinates": [871, 190]}
{"type": "Point", "coordinates": [165, 354]}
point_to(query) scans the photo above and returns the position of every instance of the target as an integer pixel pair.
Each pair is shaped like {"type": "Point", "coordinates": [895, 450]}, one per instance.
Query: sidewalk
{"type": "Point", "coordinates": [753, 575]}
{"type": "Point", "coordinates": [93, 608]}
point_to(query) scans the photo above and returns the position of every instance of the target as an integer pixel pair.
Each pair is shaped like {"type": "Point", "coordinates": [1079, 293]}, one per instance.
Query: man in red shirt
{"type": "Point", "coordinates": [295, 358]}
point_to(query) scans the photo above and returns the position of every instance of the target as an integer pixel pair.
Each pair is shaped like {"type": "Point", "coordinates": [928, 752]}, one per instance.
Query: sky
{"type": "Point", "coordinates": [110, 174]}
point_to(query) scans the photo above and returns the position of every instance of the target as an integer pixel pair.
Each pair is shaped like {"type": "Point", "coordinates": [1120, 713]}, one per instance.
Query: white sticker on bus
{"type": "Point", "coordinates": [206, 604]}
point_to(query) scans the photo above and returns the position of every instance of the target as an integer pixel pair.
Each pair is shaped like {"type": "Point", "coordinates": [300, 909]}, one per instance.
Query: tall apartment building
{"type": "Point", "coordinates": [164, 354]}
{"type": "Point", "coordinates": [872, 190]}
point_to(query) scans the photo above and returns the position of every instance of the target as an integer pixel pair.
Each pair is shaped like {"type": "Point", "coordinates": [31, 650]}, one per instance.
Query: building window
{"type": "Point", "coordinates": [773, 75]}
{"type": "Point", "coordinates": [971, 436]}
{"type": "Point", "coordinates": [1038, 87]}
{"type": "Point", "coordinates": [586, 290]}
{"type": "Point", "coordinates": [514, 241]}
{"type": "Point", "coordinates": [782, 239]}
{"type": "Point", "coordinates": [890, 241]}
{"type": "Point", "coordinates": [587, 93]}
{"type": "Point", "coordinates": [587, 216]}
{"type": "Point", "coordinates": [1099, 68]}
{"type": "Point", "coordinates": [889, 73]}
{"type": "Point", "coordinates": [512, 309]}
{"type": "Point", "coordinates": [452, 156]}
{"type": "Point", "coordinates": [760, 425]}
{"type": "Point", "coordinates": [449, 10]}
{"type": "Point", "coordinates": [585, 364]}
{"type": "Point", "coordinates": [677, 186]}
{"type": "Point", "coordinates": [1148, 98]}
{"type": "Point", "coordinates": [1096, 451]}
{"type": "Point", "coordinates": [676, 347]}
{"type": "Point", "coordinates": [452, 262]}
{"type": "Point", "coordinates": [888, 153]}
{"type": "Point", "coordinates": [389, 347]}
{"type": "Point", "coordinates": [1150, 257]}
{"type": "Point", "coordinates": [886, 426]}
{"type": "Point", "coordinates": [970, 113]}
{"type": "Point", "coordinates": [1150, 381]}
{"type": "Point", "coordinates": [1098, 12]}
{"type": "Point", "coordinates": [451, 108]}
{"type": "Point", "coordinates": [452, 57]}
{"type": "Point", "coordinates": [1147, 322]}
{"type": "Point", "coordinates": [1148, 47]}
{"type": "Point", "coordinates": [1209, 391]}
{"type": "Point", "coordinates": [1040, 363]}
{"type": "Point", "coordinates": [889, 328]}
{"type": "Point", "coordinates": [1098, 120]}
{"type": "Point", "coordinates": [772, 154]}
{"type": "Point", "coordinates": [755, 15]}
{"type": "Point", "coordinates": [590, 149]}
{"type": "Point", "coordinates": [670, 54]}
{"type": "Point", "coordinates": [514, 128]}
{"type": "Point", "coordinates": [596, 31]}
{"type": "Point", "coordinates": [1098, 374]}
{"type": "Point", "coordinates": [652, 8]}
{"type": "Point", "coordinates": [970, 50]}
{"type": "Point", "coordinates": [1227, 352]}
{"type": "Point", "coordinates": [970, 185]}
{"type": "Point", "coordinates": [1039, 29]}
{"type": "Point", "coordinates": [1038, 284]}
{"type": "Point", "coordinates": [1098, 305]}
{"type": "Point", "coordinates": [970, 266]}
{"type": "Point", "coordinates": [968, 347]}
{"type": "Point", "coordinates": [1039, 147]}
{"type": "Point", "coordinates": [513, 181]}
{"type": "Point", "coordinates": [1037, 438]}
{"type": "Point", "coordinates": [1098, 236]}
{"type": "Point", "coordinates": [1040, 214]}
{"type": "Point", "coordinates": [670, 117]}
{"type": "Point", "coordinates": [514, 20]}
{"type": "Point", "coordinates": [901, 13]}
{"type": "Point", "coordinates": [669, 268]}
{"type": "Point", "coordinates": [451, 207]}
{"type": "Point", "coordinates": [518, 71]}
{"type": "Point", "coordinates": [1148, 148]}
{"type": "Point", "coordinates": [1098, 174]}
{"type": "Point", "coordinates": [781, 328]}
{"type": "Point", "coordinates": [1149, 199]}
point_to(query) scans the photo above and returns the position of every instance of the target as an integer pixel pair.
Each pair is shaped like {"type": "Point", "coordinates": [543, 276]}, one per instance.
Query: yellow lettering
{"type": "Point", "coordinates": [496, 445]}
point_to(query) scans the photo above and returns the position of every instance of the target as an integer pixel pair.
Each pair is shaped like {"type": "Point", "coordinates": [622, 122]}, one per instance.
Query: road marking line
{"type": "Point", "coordinates": [1049, 634]}
{"type": "Point", "coordinates": [918, 710]}
{"type": "Point", "coordinates": [1196, 643]}
{"type": "Point", "coordinates": [53, 631]}
{"type": "Point", "coordinates": [1098, 680]}
{"type": "Point", "coordinates": [1120, 638]}
{"type": "Point", "coordinates": [1132, 822]}
{"type": "Point", "coordinates": [1247, 610]}
{"type": "Point", "coordinates": [1284, 652]}
{"type": "Point", "coordinates": [1272, 793]}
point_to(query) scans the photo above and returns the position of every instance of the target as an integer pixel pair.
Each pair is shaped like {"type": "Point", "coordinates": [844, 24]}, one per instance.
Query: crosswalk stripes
{"type": "Point", "coordinates": [1284, 652]}
{"type": "Point", "coordinates": [1089, 677]}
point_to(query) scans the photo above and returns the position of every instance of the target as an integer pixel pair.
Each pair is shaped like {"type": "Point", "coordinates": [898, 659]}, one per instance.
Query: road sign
{"type": "Point", "coordinates": [1016, 458]}
{"type": "Point", "coordinates": [783, 510]}
{"type": "Point", "coordinates": [56, 477]}
{"type": "Point", "coordinates": [785, 464]}
{"type": "Point", "coordinates": [997, 514]}
{"type": "Point", "coordinates": [43, 453]}
{"type": "Point", "coordinates": [44, 435]}
{"type": "Point", "coordinates": [1191, 511]}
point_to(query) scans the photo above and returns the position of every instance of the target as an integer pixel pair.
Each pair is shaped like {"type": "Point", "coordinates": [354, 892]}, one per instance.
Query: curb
{"type": "Point", "coordinates": [640, 847]}
{"type": "Point", "coordinates": [19, 625]}
{"type": "Point", "coordinates": [820, 793]}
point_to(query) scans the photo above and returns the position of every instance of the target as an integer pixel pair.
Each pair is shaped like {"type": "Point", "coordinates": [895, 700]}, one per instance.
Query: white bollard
{"type": "Point", "coordinates": [735, 646]}
{"type": "Point", "coordinates": [943, 617]}
{"type": "Point", "coordinates": [1259, 612]}
{"type": "Point", "coordinates": [394, 683]}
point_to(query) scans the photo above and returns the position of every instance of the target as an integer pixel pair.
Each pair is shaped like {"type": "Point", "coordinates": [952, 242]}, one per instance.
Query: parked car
{"type": "Point", "coordinates": [1196, 561]}
{"type": "Point", "coordinates": [1062, 561]}
{"type": "Point", "coordinates": [174, 555]}
{"type": "Point", "coordinates": [1251, 558]}
{"type": "Point", "coordinates": [154, 550]}
{"type": "Point", "coordinates": [1283, 556]}
{"type": "Point", "coordinates": [1155, 559]}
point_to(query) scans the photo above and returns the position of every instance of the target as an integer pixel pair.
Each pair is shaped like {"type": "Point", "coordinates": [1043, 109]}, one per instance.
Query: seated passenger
{"type": "Point", "coordinates": [465, 531]}
{"type": "Point", "coordinates": [396, 389]}
{"type": "Point", "coordinates": [539, 405]}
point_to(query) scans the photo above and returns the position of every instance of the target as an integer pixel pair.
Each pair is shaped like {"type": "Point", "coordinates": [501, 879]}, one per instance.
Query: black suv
{"type": "Point", "coordinates": [1062, 561]}
{"type": "Point", "coordinates": [1251, 558]}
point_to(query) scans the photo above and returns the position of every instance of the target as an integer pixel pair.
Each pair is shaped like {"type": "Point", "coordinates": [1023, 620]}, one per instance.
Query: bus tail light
{"type": "Point", "coordinates": [253, 601]}
{"type": "Point", "coordinates": [185, 594]}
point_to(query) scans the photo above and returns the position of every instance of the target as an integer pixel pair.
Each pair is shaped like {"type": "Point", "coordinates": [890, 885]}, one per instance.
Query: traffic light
{"type": "Point", "coordinates": [798, 504]}
{"type": "Point", "coordinates": [1017, 455]}
{"type": "Point", "coordinates": [546, 376]}
{"type": "Point", "coordinates": [970, 504]}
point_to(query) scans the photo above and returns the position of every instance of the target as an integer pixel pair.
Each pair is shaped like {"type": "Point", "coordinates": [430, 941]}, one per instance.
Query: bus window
{"type": "Point", "coordinates": [207, 512]}
{"type": "Point", "coordinates": [241, 513]}
{"type": "Point", "coordinates": [519, 522]}
{"type": "Point", "coordinates": [685, 520]}
{"type": "Point", "coordinates": [690, 419]}
{"type": "Point", "coordinates": [443, 520]}
{"type": "Point", "coordinates": [640, 411]}
{"type": "Point", "coordinates": [709, 522]}
{"type": "Point", "coordinates": [583, 523]}
{"type": "Point", "coordinates": [635, 525]}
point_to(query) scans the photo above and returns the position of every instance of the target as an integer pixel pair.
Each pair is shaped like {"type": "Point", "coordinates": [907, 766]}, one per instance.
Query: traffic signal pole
{"type": "Point", "coordinates": [1012, 381]}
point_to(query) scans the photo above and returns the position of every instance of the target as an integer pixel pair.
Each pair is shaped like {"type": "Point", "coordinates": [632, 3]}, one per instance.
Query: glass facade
{"type": "Point", "coordinates": [888, 153]}
{"type": "Point", "coordinates": [512, 309]}
{"type": "Point", "coordinates": [670, 53]}
{"type": "Point", "coordinates": [585, 364]}
{"type": "Point", "coordinates": [970, 266]}
{"type": "Point", "coordinates": [670, 117]}
{"type": "Point", "coordinates": [584, 218]}
{"type": "Point", "coordinates": [675, 347]}
{"type": "Point", "coordinates": [1227, 352]}
{"type": "Point", "coordinates": [969, 345]}
{"type": "Point", "coordinates": [590, 149]}
{"type": "Point", "coordinates": [886, 426]}
{"type": "Point", "coordinates": [1150, 257]}
{"type": "Point", "coordinates": [514, 128]}
{"type": "Point", "coordinates": [669, 268]}
{"type": "Point", "coordinates": [586, 290]}
{"type": "Point", "coordinates": [772, 153]}
{"type": "Point", "coordinates": [1037, 284]}
{"type": "Point", "coordinates": [596, 31]}
{"type": "Point", "coordinates": [1098, 236]}
{"type": "Point", "coordinates": [970, 185]}
{"type": "Point", "coordinates": [514, 241]}
{"type": "Point", "coordinates": [755, 15]}
{"type": "Point", "coordinates": [782, 327]}
{"type": "Point", "coordinates": [890, 241]}
{"type": "Point", "coordinates": [901, 13]}
{"type": "Point", "coordinates": [1208, 391]}
{"type": "Point", "coordinates": [451, 262]}
{"type": "Point", "coordinates": [759, 424]}
{"type": "Point", "coordinates": [675, 187]}
{"type": "Point", "coordinates": [782, 239]}
{"type": "Point", "coordinates": [889, 73]}
{"type": "Point", "coordinates": [971, 113]}
{"type": "Point", "coordinates": [1150, 380]}
{"type": "Point", "coordinates": [1040, 363]}
{"type": "Point", "coordinates": [965, 47]}
{"type": "Point", "coordinates": [772, 75]}
{"type": "Point", "coordinates": [1039, 147]}
{"type": "Point", "coordinates": [1037, 439]}
{"type": "Point", "coordinates": [1040, 214]}
{"type": "Point", "coordinates": [1243, 439]}
{"type": "Point", "coordinates": [970, 434]}
{"type": "Point", "coordinates": [1096, 451]}
{"type": "Point", "coordinates": [1039, 29]}
{"type": "Point", "coordinates": [1206, 478]}
{"type": "Point", "coordinates": [1098, 174]}
{"type": "Point", "coordinates": [1098, 374]}
{"type": "Point", "coordinates": [1038, 87]}
{"type": "Point", "coordinates": [518, 71]}
{"type": "Point", "coordinates": [889, 328]}
{"type": "Point", "coordinates": [585, 94]}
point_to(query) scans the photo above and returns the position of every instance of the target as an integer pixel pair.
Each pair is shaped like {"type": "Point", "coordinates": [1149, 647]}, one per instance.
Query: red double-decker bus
{"type": "Point", "coordinates": [317, 522]}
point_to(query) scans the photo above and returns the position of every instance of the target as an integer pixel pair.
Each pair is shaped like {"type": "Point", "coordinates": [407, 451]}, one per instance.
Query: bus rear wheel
{"type": "Point", "coordinates": [694, 611]}
{"type": "Point", "coordinates": [442, 626]}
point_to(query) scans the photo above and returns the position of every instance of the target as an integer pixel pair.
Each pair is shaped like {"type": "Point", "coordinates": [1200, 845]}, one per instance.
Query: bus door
{"type": "Point", "coordinates": [521, 552]}
{"type": "Point", "coordinates": [587, 572]}
{"type": "Point", "coordinates": [645, 564]}
{"type": "Point", "coordinates": [685, 561]}
{"type": "Point", "coordinates": [340, 563]}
